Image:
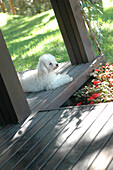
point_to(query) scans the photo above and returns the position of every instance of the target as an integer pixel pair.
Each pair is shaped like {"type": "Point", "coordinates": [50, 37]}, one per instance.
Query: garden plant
{"type": "Point", "coordinates": [99, 89]}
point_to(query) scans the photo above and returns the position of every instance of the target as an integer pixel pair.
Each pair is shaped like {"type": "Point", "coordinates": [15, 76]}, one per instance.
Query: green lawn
{"type": "Point", "coordinates": [107, 31]}
{"type": "Point", "coordinates": [29, 37]}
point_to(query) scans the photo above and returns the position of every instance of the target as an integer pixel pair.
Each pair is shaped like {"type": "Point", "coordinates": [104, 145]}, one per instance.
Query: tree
{"type": "Point", "coordinates": [11, 6]}
{"type": "Point", "coordinates": [2, 6]}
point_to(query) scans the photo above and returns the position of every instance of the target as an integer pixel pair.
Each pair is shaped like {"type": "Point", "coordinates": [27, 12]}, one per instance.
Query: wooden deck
{"type": "Point", "coordinates": [77, 138]}
{"type": "Point", "coordinates": [55, 98]}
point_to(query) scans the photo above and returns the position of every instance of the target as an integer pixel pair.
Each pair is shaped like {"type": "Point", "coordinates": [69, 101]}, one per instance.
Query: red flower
{"type": "Point", "coordinates": [108, 76]}
{"type": "Point", "coordinates": [107, 64]}
{"type": "Point", "coordinates": [96, 82]}
{"type": "Point", "coordinates": [91, 103]}
{"type": "Point", "coordinates": [111, 82]}
{"type": "Point", "coordinates": [97, 70]}
{"type": "Point", "coordinates": [95, 95]}
{"type": "Point", "coordinates": [103, 67]}
{"type": "Point", "coordinates": [78, 104]}
{"type": "Point", "coordinates": [96, 86]}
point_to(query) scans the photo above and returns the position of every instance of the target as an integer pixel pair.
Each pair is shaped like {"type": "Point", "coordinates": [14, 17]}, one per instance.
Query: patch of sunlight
{"type": "Point", "coordinates": [3, 19]}
{"type": "Point", "coordinates": [47, 19]}
{"type": "Point", "coordinates": [103, 159]}
{"type": "Point", "coordinates": [39, 15]}
{"type": "Point", "coordinates": [53, 25]}
{"type": "Point", "coordinates": [14, 56]}
{"type": "Point", "coordinates": [50, 26]}
{"type": "Point", "coordinates": [40, 46]}
{"type": "Point", "coordinates": [32, 51]}
{"type": "Point", "coordinates": [107, 3]}
{"type": "Point", "coordinates": [21, 131]}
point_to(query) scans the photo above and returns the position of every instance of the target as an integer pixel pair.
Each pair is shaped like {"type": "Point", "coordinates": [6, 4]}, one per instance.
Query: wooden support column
{"type": "Point", "coordinates": [13, 104]}
{"type": "Point", "coordinates": [74, 32]}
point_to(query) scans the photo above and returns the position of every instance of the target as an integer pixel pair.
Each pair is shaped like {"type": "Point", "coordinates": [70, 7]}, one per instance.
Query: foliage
{"type": "Point", "coordinates": [93, 9]}
{"type": "Point", "coordinates": [100, 89]}
{"type": "Point", "coordinates": [28, 7]}
{"type": "Point", "coordinates": [30, 37]}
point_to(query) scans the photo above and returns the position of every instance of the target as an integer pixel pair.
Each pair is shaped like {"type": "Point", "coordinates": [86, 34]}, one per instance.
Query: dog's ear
{"type": "Point", "coordinates": [42, 68]}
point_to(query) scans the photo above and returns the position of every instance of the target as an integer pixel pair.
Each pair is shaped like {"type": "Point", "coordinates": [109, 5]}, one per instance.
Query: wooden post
{"type": "Point", "coordinates": [11, 6]}
{"type": "Point", "coordinates": [13, 104]}
{"type": "Point", "coordinates": [74, 32]}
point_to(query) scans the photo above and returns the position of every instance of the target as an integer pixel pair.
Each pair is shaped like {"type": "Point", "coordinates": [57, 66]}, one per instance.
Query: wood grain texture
{"type": "Point", "coordinates": [74, 32]}
{"type": "Point", "coordinates": [13, 104]}
{"type": "Point", "coordinates": [55, 98]}
{"type": "Point", "coordinates": [65, 138]}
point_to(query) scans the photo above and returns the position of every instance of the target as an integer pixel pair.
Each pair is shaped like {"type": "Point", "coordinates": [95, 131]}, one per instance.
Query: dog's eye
{"type": "Point", "coordinates": [50, 64]}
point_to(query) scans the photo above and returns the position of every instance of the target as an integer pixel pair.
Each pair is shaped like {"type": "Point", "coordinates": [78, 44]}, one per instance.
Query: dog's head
{"type": "Point", "coordinates": [47, 63]}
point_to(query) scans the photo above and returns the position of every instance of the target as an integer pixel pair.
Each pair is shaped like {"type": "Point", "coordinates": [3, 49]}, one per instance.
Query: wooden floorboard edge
{"type": "Point", "coordinates": [82, 79]}
{"type": "Point", "coordinates": [51, 92]}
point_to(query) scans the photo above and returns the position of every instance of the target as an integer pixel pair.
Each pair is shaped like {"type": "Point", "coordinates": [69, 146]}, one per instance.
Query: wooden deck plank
{"type": "Point", "coordinates": [32, 97]}
{"type": "Point", "coordinates": [92, 134]}
{"type": "Point", "coordinates": [4, 129]}
{"type": "Point", "coordinates": [52, 101]}
{"type": "Point", "coordinates": [55, 98]}
{"type": "Point", "coordinates": [105, 156]}
{"type": "Point", "coordinates": [66, 141]}
{"type": "Point", "coordinates": [23, 139]}
{"type": "Point", "coordinates": [62, 138]}
{"type": "Point", "coordinates": [46, 95]}
{"type": "Point", "coordinates": [72, 129]}
{"type": "Point", "coordinates": [52, 133]}
{"type": "Point", "coordinates": [95, 146]}
{"type": "Point", "coordinates": [110, 166]}
{"type": "Point", "coordinates": [28, 128]}
{"type": "Point", "coordinates": [44, 136]}
{"type": "Point", "coordinates": [8, 136]}
{"type": "Point", "coordinates": [34, 139]}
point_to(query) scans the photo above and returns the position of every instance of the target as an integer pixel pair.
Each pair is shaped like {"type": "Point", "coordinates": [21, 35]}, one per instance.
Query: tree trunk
{"type": "Point", "coordinates": [2, 6]}
{"type": "Point", "coordinates": [37, 6]}
{"type": "Point", "coordinates": [11, 6]}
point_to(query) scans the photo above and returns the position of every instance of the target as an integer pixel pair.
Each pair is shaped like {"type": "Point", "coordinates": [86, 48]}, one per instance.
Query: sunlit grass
{"type": "Point", "coordinates": [107, 3]}
{"type": "Point", "coordinates": [28, 38]}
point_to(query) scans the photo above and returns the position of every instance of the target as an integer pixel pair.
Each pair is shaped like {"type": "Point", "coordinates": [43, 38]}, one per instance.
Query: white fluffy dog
{"type": "Point", "coordinates": [43, 77]}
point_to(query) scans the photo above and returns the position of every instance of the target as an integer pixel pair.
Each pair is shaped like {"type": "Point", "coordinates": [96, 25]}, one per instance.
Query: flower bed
{"type": "Point", "coordinates": [99, 89]}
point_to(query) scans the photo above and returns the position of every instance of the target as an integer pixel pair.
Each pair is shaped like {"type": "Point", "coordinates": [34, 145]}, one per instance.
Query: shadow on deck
{"type": "Point", "coordinates": [55, 98]}
{"type": "Point", "coordinates": [78, 137]}
{"type": "Point", "coordinates": [65, 138]}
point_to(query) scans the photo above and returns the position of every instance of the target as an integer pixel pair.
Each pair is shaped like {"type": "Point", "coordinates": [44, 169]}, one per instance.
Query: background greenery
{"type": "Point", "coordinates": [28, 7]}
{"type": "Point", "coordinates": [28, 37]}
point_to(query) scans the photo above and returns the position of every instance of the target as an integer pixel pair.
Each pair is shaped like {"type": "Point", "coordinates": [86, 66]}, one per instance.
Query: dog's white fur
{"type": "Point", "coordinates": [43, 77]}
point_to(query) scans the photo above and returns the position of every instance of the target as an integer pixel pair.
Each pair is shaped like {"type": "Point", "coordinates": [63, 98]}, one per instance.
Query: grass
{"type": "Point", "coordinates": [29, 37]}
{"type": "Point", "coordinates": [107, 32]}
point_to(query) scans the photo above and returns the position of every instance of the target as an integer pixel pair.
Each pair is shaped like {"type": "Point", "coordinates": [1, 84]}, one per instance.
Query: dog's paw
{"type": "Point", "coordinates": [71, 78]}
{"type": "Point", "coordinates": [68, 78]}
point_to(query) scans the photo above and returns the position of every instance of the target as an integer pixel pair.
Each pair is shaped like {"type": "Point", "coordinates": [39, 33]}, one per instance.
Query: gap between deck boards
{"type": "Point", "coordinates": [55, 98]}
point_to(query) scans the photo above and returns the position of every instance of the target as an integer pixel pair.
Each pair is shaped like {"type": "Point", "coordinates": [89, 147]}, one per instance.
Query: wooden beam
{"type": "Point", "coordinates": [13, 104]}
{"type": "Point", "coordinates": [74, 32]}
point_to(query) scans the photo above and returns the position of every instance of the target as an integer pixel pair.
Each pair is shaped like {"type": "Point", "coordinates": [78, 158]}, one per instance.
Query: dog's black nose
{"type": "Point", "coordinates": [56, 65]}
